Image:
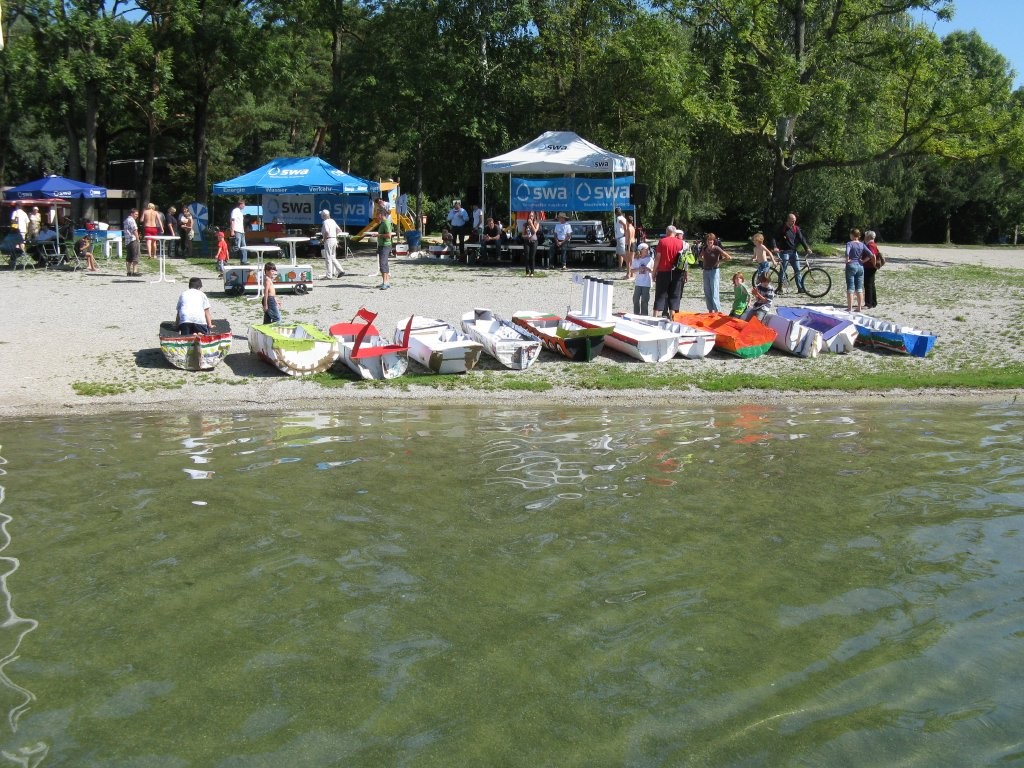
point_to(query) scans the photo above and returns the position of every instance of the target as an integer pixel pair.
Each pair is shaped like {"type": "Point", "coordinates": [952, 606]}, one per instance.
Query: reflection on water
{"type": "Point", "coordinates": [13, 629]}
{"type": "Point", "coordinates": [758, 584]}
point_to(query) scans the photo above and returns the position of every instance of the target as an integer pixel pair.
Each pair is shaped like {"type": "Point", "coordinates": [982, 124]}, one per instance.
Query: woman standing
{"type": "Point", "coordinates": [530, 229]}
{"type": "Point", "coordinates": [712, 255]}
{"type": "Point", "coordinates": [856, 253]}
{"type": "Point", "coordinates": [186, 225]}
{"type": "Point", "coordinates": [870, 268]}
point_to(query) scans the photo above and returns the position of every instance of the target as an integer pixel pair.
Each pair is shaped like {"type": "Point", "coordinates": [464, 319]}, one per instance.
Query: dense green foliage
{"type": "Point", "coordinates": [848, 111]}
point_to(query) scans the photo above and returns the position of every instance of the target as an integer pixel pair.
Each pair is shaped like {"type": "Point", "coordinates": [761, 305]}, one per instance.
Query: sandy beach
{"type": "Point", "coordinates": [71, 332]}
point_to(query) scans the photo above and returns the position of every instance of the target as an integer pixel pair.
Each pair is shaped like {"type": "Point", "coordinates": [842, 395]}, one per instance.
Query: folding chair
{"type": "Point", "coordinates": [51, 252]}
{"type": "Point", "coordinates": [71, 257]}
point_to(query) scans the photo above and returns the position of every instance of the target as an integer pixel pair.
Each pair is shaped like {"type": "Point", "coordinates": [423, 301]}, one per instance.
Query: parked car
{"type": "Point", "coordinates": [583, 231]}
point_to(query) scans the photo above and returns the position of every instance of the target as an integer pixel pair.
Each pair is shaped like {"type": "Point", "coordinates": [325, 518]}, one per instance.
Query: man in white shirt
{"type": "Point", "coordinates": [19, 217]}
{"type": "Point", "coordinates": [329, 234]}
{"type": "Point", "coordinates": [194, 309]}
{"type": "Point", "coordinates": [623, 247]}
{"type": "Point", "coordinates": [458, 218]}
{"type": "Point", "coordinates": [238, 230]}
{"type": "Point", "coordinates": [561, 240]}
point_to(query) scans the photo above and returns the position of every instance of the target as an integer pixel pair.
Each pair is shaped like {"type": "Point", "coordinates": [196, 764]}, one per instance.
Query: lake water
{"type": "Point", "coordinates": [755, 585]}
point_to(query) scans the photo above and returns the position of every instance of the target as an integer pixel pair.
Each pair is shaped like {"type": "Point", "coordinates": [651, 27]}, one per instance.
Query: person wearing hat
{"type": "Point", "coordinates": [35, 221]}
{"type": "Point", "coordinates": [641, 267]}
{"type": "Point", "coordinates": [668, 280]}
{"type": "Point", "coordinates": [329, 231]}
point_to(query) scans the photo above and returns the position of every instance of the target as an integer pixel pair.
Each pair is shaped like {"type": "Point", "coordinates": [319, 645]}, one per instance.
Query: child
{"type": "Point", "coordinates": [641, 267]}
{"type": "Point", "coordinates": [271, 308]}
{"type": "Point", "coordinates": [763, 256]}
{"type": "Point", "coordinates": [740, 296]}
{"type": "Point", "coordinates": [222, 252]}
{"type": "Point", "coordinates": [764, 295]}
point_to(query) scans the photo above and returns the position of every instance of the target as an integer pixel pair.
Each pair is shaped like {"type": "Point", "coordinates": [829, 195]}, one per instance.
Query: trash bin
{"type": "Point", "coordinates": [412, 237]}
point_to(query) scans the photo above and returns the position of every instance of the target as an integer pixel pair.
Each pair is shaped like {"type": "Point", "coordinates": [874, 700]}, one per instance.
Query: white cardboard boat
{"type": "Point", "coordinates": [510, 345]}
{"type": "Point", "coordinates": [837, 335]}
{"type": "Point", "coordinates": [694, 343]}
{"type": "Point", "coordinates": [793, 337]}
{"type": "Point", "coordinates": [298, 349]}
{"type": "Point", "coordinates": [366, 353]}
{"type": "Point", "coordinates": [646, 343]}
{"type": "Point", "coordinates": [883, 334]}
{"type": "Point", "coordinates": [438, 346]}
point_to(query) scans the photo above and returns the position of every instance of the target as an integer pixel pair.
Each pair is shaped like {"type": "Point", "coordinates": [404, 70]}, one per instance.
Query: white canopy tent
{"type": "Point", "coordinates": [556, 153]}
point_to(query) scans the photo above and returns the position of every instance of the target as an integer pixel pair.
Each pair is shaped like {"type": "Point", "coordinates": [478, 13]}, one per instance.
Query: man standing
{"type": "Point", "coordinates": [20, 219]}
{"type": "Point", "coordinates": [478, 220]}
{"type": "Point", "coordinates": [458, 219]}
{"type": "Point", "coordinates": [131, 242]}
{"type": "Point", "coordinates": [329, 234]}
{"type": "Point", "coordinates": [623, 244]}
{"type": "Point", "coordinates": [668, 281]}
{"type": "Point", "coordinates": [237, 230]}
{"type": "Point", "coordinates": [560, 241]}
{"type": "Point", "coordinates": [384, 244]}
{"type": "Point", "coordinates": [785, 245]}
{"type": "Point", "coordinates": [171, 228]}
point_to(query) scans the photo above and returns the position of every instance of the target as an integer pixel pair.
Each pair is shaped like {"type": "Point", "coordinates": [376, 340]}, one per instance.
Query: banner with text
{"type": "Point", "coordinates": [347, 210]}
{"type": "Point", "coordinates": [571, 194]}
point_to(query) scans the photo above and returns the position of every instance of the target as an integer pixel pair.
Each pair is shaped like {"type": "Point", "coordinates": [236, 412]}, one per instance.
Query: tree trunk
{"type": "Point", "coordinates": [419, 187]}
{"type": "Point", "coordinates": [92, 109]}
{"type": "Point", "coordinates": [782, 187]}
{"type": "Point", "coordinates": [949, 229]}
{"type": "Point", "coordinates": [336, 105]}
{"type": "Point", "coordinates": [907, 234]}
{"type": "Point", "coordinates": [201, 156]}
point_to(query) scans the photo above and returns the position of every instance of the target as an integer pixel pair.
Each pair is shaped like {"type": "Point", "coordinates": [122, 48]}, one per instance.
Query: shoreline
{"type": "Point", "coordinates": [566, 397]}
{"type": "Point", "coordinates": [69, 332]}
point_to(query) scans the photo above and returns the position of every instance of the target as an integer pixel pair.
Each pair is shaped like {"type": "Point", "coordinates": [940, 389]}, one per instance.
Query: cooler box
{"type": "Point", "coordinates": [439, 251]}
{"type": "Point", "coordinates": [238, 280]}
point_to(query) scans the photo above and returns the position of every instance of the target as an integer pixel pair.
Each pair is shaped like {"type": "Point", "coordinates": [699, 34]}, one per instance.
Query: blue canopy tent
{"type": "Point", "coordinates": [55, 187]}
{"type": "Point", "coordinates": [296, 176]}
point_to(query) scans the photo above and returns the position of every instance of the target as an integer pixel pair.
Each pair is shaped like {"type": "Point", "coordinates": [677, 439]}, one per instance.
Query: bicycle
{"type": "Point", "coordinates": [817, 281]}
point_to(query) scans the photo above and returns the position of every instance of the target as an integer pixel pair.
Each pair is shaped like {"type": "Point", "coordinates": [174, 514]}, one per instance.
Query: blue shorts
{"type": "Point", "coordinates": [854, 277]}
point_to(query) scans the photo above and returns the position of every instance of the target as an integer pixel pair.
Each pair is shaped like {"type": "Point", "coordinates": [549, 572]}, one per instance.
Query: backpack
{"type": "Point", "coordinates": [879, 260]}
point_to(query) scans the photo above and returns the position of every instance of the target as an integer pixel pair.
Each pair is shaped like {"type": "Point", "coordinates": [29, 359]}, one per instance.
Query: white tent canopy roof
{"type": "Point", "coordinates": [559, 152]}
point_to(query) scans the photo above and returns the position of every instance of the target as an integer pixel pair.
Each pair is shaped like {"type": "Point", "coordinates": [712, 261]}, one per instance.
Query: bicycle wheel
{"type": "Point", "coordinates": [817, 282]}
{"type": "Point", "coordinates": [773, 275]}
